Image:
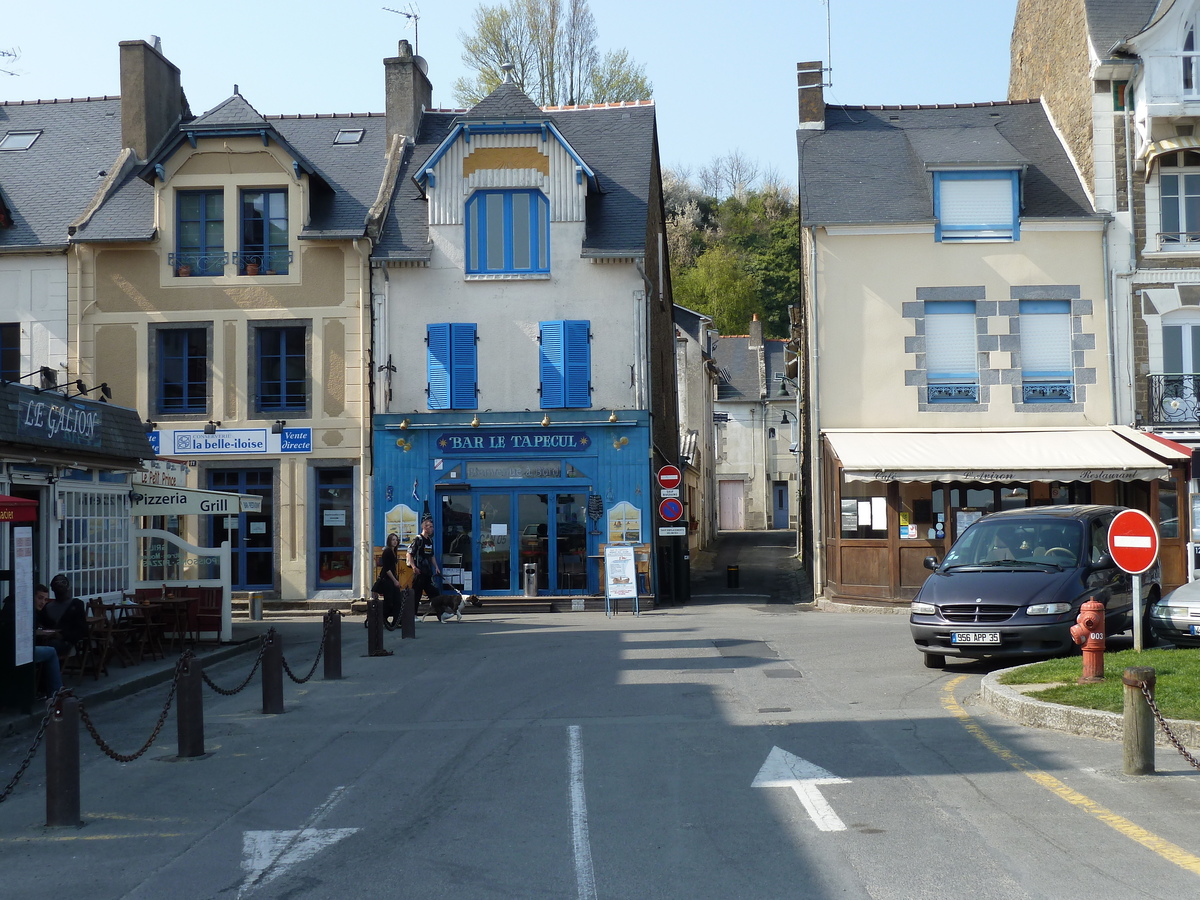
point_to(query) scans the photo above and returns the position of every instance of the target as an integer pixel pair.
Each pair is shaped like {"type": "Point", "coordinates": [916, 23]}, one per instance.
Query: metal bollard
{"type": "Point", "coordinates": [1139, 721]}
{"type": "Point", "coordinates": [333, 645]}
{"type": "Point", "coordinates": [189, 711]}
{"type": "Point", "coordinates": [62, 763]}
{"type": "Point", "coordinates": [408, 614]}
{"type": "Point", "coordinates": [732, 576]}
{"type": "Point", "coordinates": [375, 628]}
{"type": "Point", "coordinates": [272, 674]}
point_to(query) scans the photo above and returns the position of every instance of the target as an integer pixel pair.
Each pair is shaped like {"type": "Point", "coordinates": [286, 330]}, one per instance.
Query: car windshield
{"type": "Point", "coordinates": [993, 542]}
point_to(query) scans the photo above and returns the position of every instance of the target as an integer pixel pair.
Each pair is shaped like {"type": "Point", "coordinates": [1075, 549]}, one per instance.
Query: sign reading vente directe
{"type": "Point", "coordinates": [469, 442]}
{"type": "Point", "coordinates": [56, 420]}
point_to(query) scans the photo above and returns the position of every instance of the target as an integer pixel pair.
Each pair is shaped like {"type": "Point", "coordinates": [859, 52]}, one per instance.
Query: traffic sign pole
{"type": "Point", "coordinates": [1133, 544]}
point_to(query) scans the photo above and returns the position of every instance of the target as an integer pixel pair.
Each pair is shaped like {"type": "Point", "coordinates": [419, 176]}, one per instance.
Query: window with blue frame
{"type": "Point", "coordinates": [264, 248]}
{"type": "Point", "coordinates": [452, 366]}
{"type": "Point", "coordinates": [282, 368]}
{"type": "Point", "coordinates": [566, 364]}
{"type": "Point", "coordinates": [1046, 367]}
{"type": "Point", "coordinates": [508, 233]}
{"type": "Point", "coordinates": [200, 233]}
{"type": "Point", "coordinates": [182, 370]}
{"type": "Point", "coordinates": [335, 527]}
{"type": "Point", "coordinates": [977, 206]}
{"type": "Point", "coordinates": [951, 352]}
{"type": "Point", "coordinates": [10, 351]}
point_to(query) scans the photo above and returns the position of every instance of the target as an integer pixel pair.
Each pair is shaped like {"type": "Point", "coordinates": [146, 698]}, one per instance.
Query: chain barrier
{"type": "Point", "coordinates": [1162, 723]}
{"type": "Point", "coordinates": [37, 740]}
{"type": "Point", "coordinates": [229, 693]}
{"type": "Point", "coordinates": [320, 650]}
{"type": "Point", "coordinates": [162, 718]}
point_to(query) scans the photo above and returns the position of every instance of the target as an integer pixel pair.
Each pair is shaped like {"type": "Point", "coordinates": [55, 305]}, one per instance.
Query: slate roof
{"type": "Point", "coordinates": [48, 185]}
{"type": "Point", "coordinates": [869, 165]}
{"type": "Point", "coordinates": [122, 437]}
{"type": "Point", "coordinates": [739, 367]}
{"type": "Point", "coordinates": [617, 142]}
{"type": "Point", "coordinates": [1110, 22]}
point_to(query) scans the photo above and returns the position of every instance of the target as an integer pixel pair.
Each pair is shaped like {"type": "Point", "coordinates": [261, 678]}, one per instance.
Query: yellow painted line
{"type": "Point", "coordinates": [1152, 842]}
{"type": "Point", "coordinates": [89, 837]}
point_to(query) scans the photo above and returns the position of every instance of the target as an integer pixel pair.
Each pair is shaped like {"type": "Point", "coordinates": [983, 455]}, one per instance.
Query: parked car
{"type": "Point", "coordinates": [1012, 585]}
{"type": "Point", "coordinates": [1176, 617]}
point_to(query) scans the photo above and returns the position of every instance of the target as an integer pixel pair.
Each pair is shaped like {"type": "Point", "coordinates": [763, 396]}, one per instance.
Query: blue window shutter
{"type": "Point", "coordinates": [439, 366]}
{"type": "Point", "coordinates": [578, 356]}
{"type": "Point", "coordinates": [464, 370]}
{"type": "Point", "coordinates": [552, 365]}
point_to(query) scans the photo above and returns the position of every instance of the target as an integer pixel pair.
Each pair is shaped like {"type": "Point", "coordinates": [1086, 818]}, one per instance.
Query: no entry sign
{"type": "Point", "coordinates": [1133, 541]}
{"type": "Point", "coordinates": [669, 477]}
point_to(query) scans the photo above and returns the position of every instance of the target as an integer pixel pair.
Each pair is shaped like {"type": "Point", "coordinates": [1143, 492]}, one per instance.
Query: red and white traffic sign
{"type": "Point", "coordinates": [669, 476]}
{"type": "Point", "coordinates": [671, 510]}
{"type": "Point", "coordinates": [1133, 541]}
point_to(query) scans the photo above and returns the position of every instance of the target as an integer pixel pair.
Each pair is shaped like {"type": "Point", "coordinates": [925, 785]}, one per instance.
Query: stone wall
{"type": "Point", "coordinates": [1050, 59]}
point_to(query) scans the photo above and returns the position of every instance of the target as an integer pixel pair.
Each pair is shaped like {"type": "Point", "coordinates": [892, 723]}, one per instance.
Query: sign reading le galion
{"type": "Point", "coordinates": [57, 420]}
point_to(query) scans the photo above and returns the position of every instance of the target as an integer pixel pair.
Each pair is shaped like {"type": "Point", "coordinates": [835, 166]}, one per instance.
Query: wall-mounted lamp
{"type": "Point", "coordinates": [211, 427]}
{"type": "Point", "coordinates": [475, 421]}
{"type": "Point", "coordinates": [546, 420]}
{"type": "Point", "coordinates": [278, 427]}
{"type": "Point", "coordinates": [785, 420]}
{"type": "Point", "coordinates": [620, 442]}
{"type": "Point", "coordinates": [404, 423]}
{"type": "Point", "coordinates": [613, 418]}
{"type": "Point", "coordinates": [149, 426]}
{"type": "Point", "coordinates": [82, 390]}
{"type": "Point", "coordinates": [783, 391]}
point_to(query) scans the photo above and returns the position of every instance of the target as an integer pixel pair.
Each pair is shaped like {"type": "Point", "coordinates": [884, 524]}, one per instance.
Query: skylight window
{"type": "Point", "coordinates": [19, 140]}
{"type": "Point", "coordinates": [349, 136]}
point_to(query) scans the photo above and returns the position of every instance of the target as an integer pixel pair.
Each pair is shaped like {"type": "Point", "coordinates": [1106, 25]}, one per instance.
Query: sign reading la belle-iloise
{"type": "Point", "coordinates": [468, 442]}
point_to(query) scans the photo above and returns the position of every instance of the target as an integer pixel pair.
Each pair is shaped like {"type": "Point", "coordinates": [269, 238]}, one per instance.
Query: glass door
{"type": "Point", "coordinates": [251, 536]}
{"type": "Point", "coordinates": [495, 543]}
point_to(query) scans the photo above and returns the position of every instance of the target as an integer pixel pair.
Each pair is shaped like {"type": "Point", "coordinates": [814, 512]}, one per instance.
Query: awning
{"type": "Point", "coordinates": [1086, 454]}
{"type": "Point", "coordinates": [17, 509]}
{"type": "Point", "coordinates": [1168, 145]}
{"type": "Point", "coordinates": [156, 500]}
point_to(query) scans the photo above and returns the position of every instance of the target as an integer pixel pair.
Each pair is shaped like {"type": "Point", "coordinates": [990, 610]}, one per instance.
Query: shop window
{"type": "Point", "coordinates": [624, 523]}
{"type": "Point", "coordinates": [864, 509]}
{"type": "Point", "coordinates": [10, 351]}
{"type": "Point", "coordinates": [1046, 365]}
{"type": "Point", "coordinates": [951, 351]}
{"type": "Point", "coordinates": [565, 364]}
{"type": "Point", "coordinates": [1168, 511]}
{"type": "Point", "coordinates": [335, 527]}
{"type": "Point", "coordinates": [200, 233]}
{"type": "Point", "coordinates": [182, 361]}
{"type": "Point", "coordinates": [281, 369]}
{"type": "Point", "coordinates": [93, 541]}
{"type": "Point", "coordinates": [976, 206]}
{"type": "Point", "coordinates": [451, 365]}
{"type": "Point", "coordinates": [508, 233]}
{"type": "Point", "coordinates": [264, 249]}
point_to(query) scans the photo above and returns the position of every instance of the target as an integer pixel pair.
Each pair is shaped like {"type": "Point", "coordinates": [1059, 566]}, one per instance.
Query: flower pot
{"type": "Point", "coordinates": [251, 268]}
{"type": "Point", "coordinates": [184, 271]}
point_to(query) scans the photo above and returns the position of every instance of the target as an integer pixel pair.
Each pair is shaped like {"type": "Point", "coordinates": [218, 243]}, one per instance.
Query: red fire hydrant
{"type": "Point", "coordinates": [1088, 630]}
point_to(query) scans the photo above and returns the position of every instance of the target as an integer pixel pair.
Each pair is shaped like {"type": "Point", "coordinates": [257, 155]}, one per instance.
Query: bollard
{"type": "Point", "coordinates": [1088, 630]}
{"type": "Point", "coordinates": [272, 674]}
{"type": "Point", "coordinates": [1139, 721]}
{"type": "Point", "coordinates": [62, 763]}
{"type": "Point", "coordinates": [732, 576]}
{"type": "Point", "coordinates": [375, 628]}
{"type": "Point", "coordinates": [189, 711]}
{"type": "Point", "coordinates": [408, 614]}
{"type": "Point", "coordinates": [333, 645]}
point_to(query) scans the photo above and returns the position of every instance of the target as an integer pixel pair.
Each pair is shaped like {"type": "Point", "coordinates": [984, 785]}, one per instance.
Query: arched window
{"type": "Point", "coordinates": [1189, 59]}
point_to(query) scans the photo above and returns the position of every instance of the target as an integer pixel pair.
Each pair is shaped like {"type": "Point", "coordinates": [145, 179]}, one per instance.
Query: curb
{"type": "Point", "coordinates": [884, 608]}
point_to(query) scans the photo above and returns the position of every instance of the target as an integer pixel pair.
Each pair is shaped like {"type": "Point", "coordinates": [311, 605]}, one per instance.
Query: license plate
{"type": "Point", "coordinates": [975, 637]}
{"type": "Point", "coordinates": [1195, 629]}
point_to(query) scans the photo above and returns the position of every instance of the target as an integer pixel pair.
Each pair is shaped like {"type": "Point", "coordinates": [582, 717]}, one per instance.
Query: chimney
{"type": "Point", "coordinates": [407, 90]}
{"type": "Point", "coordinates": [756, 338]}
{"type": "Point", "coordinates": [810, 83]}
{"type": "Point", "coordinates": [152, 101]}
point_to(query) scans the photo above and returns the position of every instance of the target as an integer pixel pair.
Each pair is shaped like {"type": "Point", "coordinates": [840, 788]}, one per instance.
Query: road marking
{"type": "Point", "coordinates": [1170, 852]}
{"type": "Point", "coordinates": [585, 875]}
{"type": "Point", "coordinates": [783, 769]}
{"type": "Point", "coordinates": [268, 854]}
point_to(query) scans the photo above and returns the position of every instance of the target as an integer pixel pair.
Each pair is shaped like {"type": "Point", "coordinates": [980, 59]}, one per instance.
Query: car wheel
{"type": "Point", "coordinates": [1149, 638]}
{"type": "Point", "coordinates": [934, 660]}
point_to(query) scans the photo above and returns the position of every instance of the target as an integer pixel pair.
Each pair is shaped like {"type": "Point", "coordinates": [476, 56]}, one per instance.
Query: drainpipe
{"type": "Point", "coordinates": [813, 410]}
{"type": "Point", "coordinates": [362, 581]}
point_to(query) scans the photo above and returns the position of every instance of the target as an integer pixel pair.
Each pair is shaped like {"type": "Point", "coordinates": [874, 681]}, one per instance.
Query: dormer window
{"type": "Point", "coordinates": [977, 205]}
{"type": "Point", "coordinates": [264, 233]}
{"type": "Point", "coordinates": [508, 233]}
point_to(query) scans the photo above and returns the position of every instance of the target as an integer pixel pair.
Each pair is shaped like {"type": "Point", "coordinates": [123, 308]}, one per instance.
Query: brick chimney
{"type": "Point", "coordinates": [152, 101]}
{"type": "Point", "coordinates": [408, 91]}
{"type": "Point", "coordinates": [810, 79]}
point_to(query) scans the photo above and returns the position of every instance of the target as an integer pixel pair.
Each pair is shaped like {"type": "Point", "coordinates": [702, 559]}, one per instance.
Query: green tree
{"type": "Point", "coordinates": [719, 285]}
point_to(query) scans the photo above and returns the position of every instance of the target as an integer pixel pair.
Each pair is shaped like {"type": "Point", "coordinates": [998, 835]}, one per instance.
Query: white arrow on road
{"type": "Point", "coordinates": [783, 769]}
{"type": "Point", "coordinates": [268, 854]}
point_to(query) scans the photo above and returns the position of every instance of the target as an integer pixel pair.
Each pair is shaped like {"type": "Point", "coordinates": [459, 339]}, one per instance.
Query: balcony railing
{"type": "Point", "coordinates": [1047, 392]}
{"type": "Point", "coordinates": [1173, 399]}
{"type": "Point", "coordinates": [256, 262]}
{"type": "Point", "coordinates": [201, 264]}
{"type": "Point", "coordinates": [1179, 240]}
{"type": "Point", "coordinates": [1172, 77]}
{"type": "Point", "coordinates": [953, 393]}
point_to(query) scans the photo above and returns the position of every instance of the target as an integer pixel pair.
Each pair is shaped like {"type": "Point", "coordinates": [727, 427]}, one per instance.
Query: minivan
{"type": "Point", "coordinates": [1012, 585]}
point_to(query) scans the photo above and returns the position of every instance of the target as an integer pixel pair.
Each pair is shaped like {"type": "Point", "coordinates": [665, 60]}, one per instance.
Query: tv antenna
{"type": "Point", "coordinates": [413, 15]}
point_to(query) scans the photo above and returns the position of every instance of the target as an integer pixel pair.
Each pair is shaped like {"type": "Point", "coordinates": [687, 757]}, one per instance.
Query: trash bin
{"type": "Point", "coordinates": [531, 578]}
{"type": "Point", "coordinates": [731, 576]}
{"type": "Point", "coordinates": [256, 599]}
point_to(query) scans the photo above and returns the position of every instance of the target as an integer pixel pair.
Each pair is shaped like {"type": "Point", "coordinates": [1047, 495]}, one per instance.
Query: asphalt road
{"type": "Point", "coordinates": [575, 756]}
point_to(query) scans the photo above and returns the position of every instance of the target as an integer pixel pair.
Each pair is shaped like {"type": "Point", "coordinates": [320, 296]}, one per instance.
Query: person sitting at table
{"type": "Point", "coordinates": [62, 622]}
{"type": "Point", "coordinates": [44, 656]}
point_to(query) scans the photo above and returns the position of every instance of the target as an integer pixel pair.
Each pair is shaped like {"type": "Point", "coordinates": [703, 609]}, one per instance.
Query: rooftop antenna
{"type": "Point", "coordinates": [413, 15]}
{"type": "Point", "coordinates": [828, 44]}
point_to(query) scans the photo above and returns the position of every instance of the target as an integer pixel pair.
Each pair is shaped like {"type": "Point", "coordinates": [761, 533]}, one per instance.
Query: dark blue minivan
{"type": "Point", "coordinates": [1012, 585]}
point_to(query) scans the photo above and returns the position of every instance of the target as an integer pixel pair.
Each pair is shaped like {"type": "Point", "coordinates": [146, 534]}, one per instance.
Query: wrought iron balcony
{"type": "Point", "coordinates": [1047, 392]}
{"type": "Point", "coordinates": [184, 264]}
{"type": "Point", "coordinates": [1179, 240]}
{"type": "Point", "coordinates": [1173, 399]}
{"type": "Point", "coordinates": [953, 393]}
{"type": "Point", "coordinates": [256, 262]}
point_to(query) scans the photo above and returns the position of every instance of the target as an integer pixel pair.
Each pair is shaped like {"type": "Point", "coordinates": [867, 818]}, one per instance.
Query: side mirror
{"type": "Point", "coordinates": [931, 562]}
{"type": "Point", "coordinates": [1104, 562]}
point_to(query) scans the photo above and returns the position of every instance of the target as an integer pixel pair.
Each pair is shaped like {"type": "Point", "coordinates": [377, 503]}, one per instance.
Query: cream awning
{"type": "Point", "coordinates": [1089, 454]}
{"type": "Point", "coordinates": [158, 500]}
{"type": "Point", "coordinates": [1155, 149]}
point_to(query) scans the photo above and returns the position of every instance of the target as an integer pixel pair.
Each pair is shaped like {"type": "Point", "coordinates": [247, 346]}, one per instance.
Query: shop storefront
{"type": "Point", "coordinates": [891, 498]}
{"type": "Point", "coordinates": [521, 492]}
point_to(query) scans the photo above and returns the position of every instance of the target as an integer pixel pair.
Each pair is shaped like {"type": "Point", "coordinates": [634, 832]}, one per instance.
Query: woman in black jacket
{"type": "Point", "coordinates": [387, 583]}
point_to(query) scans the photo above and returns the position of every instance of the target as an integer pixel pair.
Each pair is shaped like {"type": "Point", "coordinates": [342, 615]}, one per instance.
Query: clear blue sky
{"type": "Point", "coordinates": [724, 74]}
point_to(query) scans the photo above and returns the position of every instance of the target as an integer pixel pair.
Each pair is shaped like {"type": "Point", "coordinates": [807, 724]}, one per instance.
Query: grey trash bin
{"type": "Point", "coordinates": [531, 578]}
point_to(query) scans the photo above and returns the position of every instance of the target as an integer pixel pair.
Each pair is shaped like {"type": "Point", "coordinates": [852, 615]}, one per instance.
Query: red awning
{"type": "Point", "coordinates": [17, 509]}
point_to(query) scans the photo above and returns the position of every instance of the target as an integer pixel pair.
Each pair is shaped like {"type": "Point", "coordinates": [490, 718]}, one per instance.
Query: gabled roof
{"type": "Point", "coordinates": [48, 185]}
{"type": "Point", "coordinates": [739, 368]}
{"type": "Point", "coordinates": [872, 165]}
{"type": "Point", "coordinates": [1110, 22]}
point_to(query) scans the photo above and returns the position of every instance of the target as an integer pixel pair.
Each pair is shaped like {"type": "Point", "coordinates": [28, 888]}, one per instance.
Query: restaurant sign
{"type": "Point", "coordinates": [56, 420]}
{"type": "Point", "coordinates": [474, 443]}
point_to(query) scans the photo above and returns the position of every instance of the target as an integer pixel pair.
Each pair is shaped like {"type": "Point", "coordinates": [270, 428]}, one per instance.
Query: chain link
{"type": "Point", "coordinates": [1162, 723]}
{"type": "Point", "coordinates": [37, 740]}
{"type": "Point", "coordinates": [320, 650]}
{"type": "Point", "coordinates": [229, 693]}
{"type": "Point", "coordinates": [162, 718]}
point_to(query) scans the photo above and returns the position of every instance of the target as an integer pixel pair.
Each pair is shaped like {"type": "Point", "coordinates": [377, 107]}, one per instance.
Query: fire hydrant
{"type": "Point", "coordinates": [1088, 630]}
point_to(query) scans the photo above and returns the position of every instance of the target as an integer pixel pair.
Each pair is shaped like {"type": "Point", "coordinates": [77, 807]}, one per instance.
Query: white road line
{"type": "Point", "coordinates": [268, 854]}
{"type": "Point", "coordinates": [585, 876]}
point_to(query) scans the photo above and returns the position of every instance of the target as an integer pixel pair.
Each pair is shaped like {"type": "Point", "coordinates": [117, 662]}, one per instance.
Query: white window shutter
{"type": "Point", "coordinates": [950, 346]}
{"type": "Point", "coordinates": [976, 201]}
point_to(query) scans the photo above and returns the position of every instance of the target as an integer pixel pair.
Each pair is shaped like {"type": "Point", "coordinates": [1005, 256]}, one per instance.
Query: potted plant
{"type": "Point", "coordinates": [184, 271]}
{"type": "Point", "coordinates": [251, 268]}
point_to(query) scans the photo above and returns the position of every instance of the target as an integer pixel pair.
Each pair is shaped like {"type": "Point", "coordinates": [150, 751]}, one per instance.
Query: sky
{"type": "Point", "coordinates": [724, 74]}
